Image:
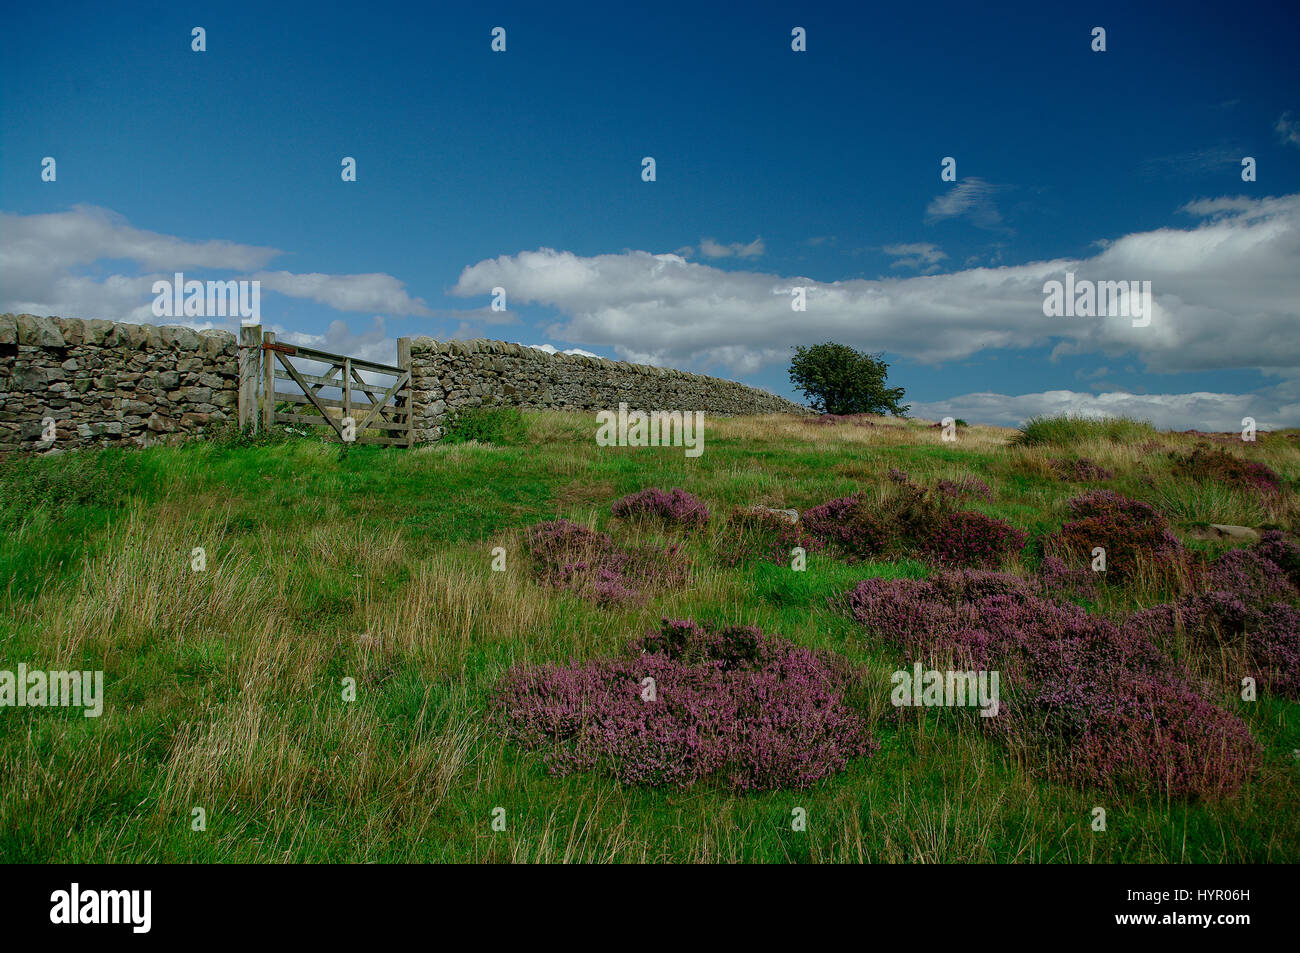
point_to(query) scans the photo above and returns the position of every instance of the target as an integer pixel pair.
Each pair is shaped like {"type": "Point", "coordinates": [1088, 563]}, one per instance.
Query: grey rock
{"type": "Point", "coordinates": [38, 332]}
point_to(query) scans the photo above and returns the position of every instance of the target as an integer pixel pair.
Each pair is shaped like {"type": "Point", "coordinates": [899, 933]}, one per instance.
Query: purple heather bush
{"type": "Point", "coordinates": [1244, 620]}
{"type": "Point", "coordinates": [971, 539]}
{"type": "Point", "coordinates": [1154, 732]}
{"type": "Point", "coordinates": [1098, 703]}
{"type": "Point", "coordinates": [1261, 641]}
{"type": "Point", "coordinates": [1282, 552]}
{"type": "Point", "coordinates": [859, 528]}
{"type": "Point", "coordinates": [1061, 580]}
{"type": "Point", "coordinates": [1081, 470]}
{"type": "Point", "coordinates": [673, 507]}
{"type": "Point", "coordinates": [967, 487]}
{"type": "Point", "coordinates": [1275, 650]}
{"type": "Point", "coordinates": [754, 710]}
{"type": "Point", "coordinates": [1134, 534]}
{"type": "Point", "coordinates": [1250, 576]}
{"type": "Point", "coordinates": [914, 519]}
{"type": "Point", "coordinates": [852, 525]}
{"type": "Point", "coordinates": [592, 565]}
{"type": "Point", "coordinates": [1216, 463]}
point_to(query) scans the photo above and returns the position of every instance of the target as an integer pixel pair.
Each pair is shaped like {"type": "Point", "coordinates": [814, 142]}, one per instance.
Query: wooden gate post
{"type": "Point", "coordinates": [404, 362]}
{"type": "Point", "coordinates": [347, 391]}
{"type": "Point", "coordinates": [250, 367]}
{"type": "Point", "coordinates": [268, 382]}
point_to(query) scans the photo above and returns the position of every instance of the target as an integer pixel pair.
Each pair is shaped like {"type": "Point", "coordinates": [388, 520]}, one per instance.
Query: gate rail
{"type": "Point", "coordinates": [379, 411]}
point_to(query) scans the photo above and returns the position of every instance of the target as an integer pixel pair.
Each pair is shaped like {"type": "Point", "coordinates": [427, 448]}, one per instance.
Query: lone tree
{"type": "Point", "coordinates": [836, 379]}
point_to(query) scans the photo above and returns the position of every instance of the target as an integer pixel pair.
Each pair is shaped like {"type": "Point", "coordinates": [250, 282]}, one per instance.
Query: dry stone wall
{"type": "Point", "coordinates": [449, 375]}
{"type": "Point", "coordinates": [104, 382]}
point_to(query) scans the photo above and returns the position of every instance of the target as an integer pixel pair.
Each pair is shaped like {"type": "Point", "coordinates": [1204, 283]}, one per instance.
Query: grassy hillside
{"type": "Point", "coordinates": [223, 686]}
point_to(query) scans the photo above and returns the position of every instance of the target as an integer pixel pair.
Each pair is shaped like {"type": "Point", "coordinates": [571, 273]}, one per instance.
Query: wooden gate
{"type": "Point", "coordinates": [332, 396]}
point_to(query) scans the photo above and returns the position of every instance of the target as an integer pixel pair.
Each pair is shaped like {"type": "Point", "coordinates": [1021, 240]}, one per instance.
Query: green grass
{"type": "Point", "coordinates": [498, 425]}
{"type": "Point", "coordinates": [1207, 502]}
{"type": "Point", "coordinates": [1066, 430]}
{"type": "Point", "coordinates": [224, 687]}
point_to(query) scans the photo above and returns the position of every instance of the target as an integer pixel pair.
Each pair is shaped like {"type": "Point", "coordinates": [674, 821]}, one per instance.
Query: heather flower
{"type": "Point", "coordinates": [850, 525]}
{"type": "Point", "coordinates": [1251, 577]}
{"type": "Point", "coordinates": [1275, 655]}
{"type": "Point", "coordinates": [1133, 534]}
{"type": "Point", "coordinates": [1245, 620]}
{"type": "Point", "coordinates": [673, 507]}
{"type": "Point", "coordinates": [1216, 463]}
{"type": "Point", "coordinates": [1150, 731]}
{"type": "Point", "coordinates": [859, 528]}
{"type": "Point", "coordinates": [1281, 552]}
{"type": "Point", "coordinates": [913, 518]}
{"type": "Point", "coordinates": [1081, 470]}
{"type": "Point", "coordinates": [969, 538]}
{"type": "Point", "coordinates": [1097, 703]}
{"type": "Point", "coordinates": [561, 543]}
{"type": "Point", "coordinates": [974, 584]}
{"type": "Point", "coordinates": [1060, 579]}
{"type": "Point", "coordinates": [754, 710]}
{"type": "Point", "coordinates": [591, 564]}
{"type": "Point", "coordinates": [1262, 641]}
{"type": "Point", "coordinates": [967, 487]}
{"type": "Point", "coordinates": [1112, 504]}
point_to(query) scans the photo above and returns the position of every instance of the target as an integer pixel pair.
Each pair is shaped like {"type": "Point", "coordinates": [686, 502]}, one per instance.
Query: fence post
{"type": "Point", "coordinates": [404, 362]}
{"type": "Point", "coordinates": [268, 382]}
{"type": "Point", "coordinates": [250, 367]}
{"type": "Point", "coordinates": [347, 391]}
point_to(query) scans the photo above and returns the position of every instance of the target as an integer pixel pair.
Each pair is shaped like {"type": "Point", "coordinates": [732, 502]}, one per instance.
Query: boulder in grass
{"type": "Point", "coordinates": [1241, 534]}
{"type": "Point", "coordinates": [790, 516]}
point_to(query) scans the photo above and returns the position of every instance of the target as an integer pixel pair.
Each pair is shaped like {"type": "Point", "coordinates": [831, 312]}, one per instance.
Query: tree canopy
{"type": "Point", "coordinates": [837, 379]}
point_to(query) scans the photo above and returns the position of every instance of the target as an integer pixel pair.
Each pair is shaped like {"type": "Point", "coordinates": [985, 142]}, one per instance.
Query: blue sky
{"type": "Point", "coordinates": [775, 169]}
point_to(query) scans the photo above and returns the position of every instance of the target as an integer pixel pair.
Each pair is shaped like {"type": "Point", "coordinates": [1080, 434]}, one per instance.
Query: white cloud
{"type": "Point", "coordinates": [1195, 411]}
{"type": "Point", "coordinates": [1238, 206]}
{"type": "Point", "coordinates": [41, 257]}
{"type": "Point", "coordinates": [712, 249]}
{"type": "Point", "coordinates": [551, 349]}
{"type": "Point", "coordinates": [1288, 129]}
{"type": "Point", "coordinates": [44, 257]}
{"type": "Point", "coordinates": [373, 292]}
{"type": "Point", "coordinates": [923, 256]}
{"type": "Point", "coordinates": [1226, 295]}
{"type": "Point", "coordinates": [372, 345]}
{"type": "Point", "coordinates": [86, 234]}
{"type": "Point", "coordinates": [971, 198]}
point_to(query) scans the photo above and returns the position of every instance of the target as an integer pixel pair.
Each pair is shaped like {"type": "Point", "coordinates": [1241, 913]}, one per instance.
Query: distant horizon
{"type": "Point", "coordinates": [918, 181]}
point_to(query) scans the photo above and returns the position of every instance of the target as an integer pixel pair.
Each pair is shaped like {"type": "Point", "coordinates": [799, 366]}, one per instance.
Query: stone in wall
{"type": "Point", "coordinates": [449, 375]}
{"type": "Point", "coordinates": [104, 383]}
